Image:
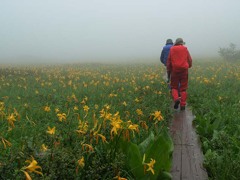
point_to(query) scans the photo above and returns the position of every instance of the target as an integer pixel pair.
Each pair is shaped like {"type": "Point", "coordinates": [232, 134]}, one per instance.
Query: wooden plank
{"type": "Point", "coordinates": [187, 132]}
{"type": "Point", "coordinates": [187, 155]}
{"type": "Point", "coordinates": [187, 169]}
{"type": "Point", "coordinates": [177, 159]}
{"type": "Point", "coordinates": [193, 145]}
{"type": "Point", "coordinates": [176, 130]}
{"type": "Point", "coordinates": [192, 164]}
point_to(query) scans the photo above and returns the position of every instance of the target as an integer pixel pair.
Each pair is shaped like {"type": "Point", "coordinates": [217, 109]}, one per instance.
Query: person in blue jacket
{"type": "Point", "coordinates": [164, 54]}
{"type": "Point", "coordinates": [165, 51]}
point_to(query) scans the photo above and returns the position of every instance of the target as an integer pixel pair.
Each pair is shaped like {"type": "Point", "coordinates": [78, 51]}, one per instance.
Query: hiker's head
{"type": "Point", "coordinates": [179, 41]}
{"type": "Point", "coordinates": [169, 41]}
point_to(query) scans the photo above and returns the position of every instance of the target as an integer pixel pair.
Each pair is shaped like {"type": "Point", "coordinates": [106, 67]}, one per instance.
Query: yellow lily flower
{"type": "Point", "coordinates": [75, 108]}
{"type": "Point", "coordinates": [85, 108]}
{"type": "Point", "coordinates": [146, 87]}
{"type": "Point", "coordinates": [44, 147]}
{"type": "Point", "coordinates": [108, 116]}
{"type": "Point", "coordinates": [83, 102]}
{"type": "Point", "coordinates": [61, 116]}
{"type": "Point", "coordinates": [11, 118]}
{"type": "Point", "coordinates": [150, 165]}
{"type": "Point", "coordinates": [57, 110]}
{"type": "Point", "coordinates": [32, 167]}
{"type": "Point", "coordinates": [133, 127]}
{"type": "Point", "coordinates": [47, 109]}
{"type": "Point", "coordinates": [81, 162]}
{"type": "Point", "coordinates": [157, 115]}
{"type": "Point", "coordinates": [136, 100]}
{"type": "Point", "coordinates": [139, 112]}
{"type": "Point", "coordinates": [124, 103]}
{"type": "Point", "coordinates": [107, 107]}
{"type": "Point", "coordinates": [102, 113]}
{"type": "Point", "coordinates": [112, 95]}
{"type": "Point", "coordinates": [116, 126]}
{"type": "Point", "coordinates": [85, 98]}
{"type": "Point", "coordinates": [51, 130]}
{"type": "Point", "coordinates": [82, 127]}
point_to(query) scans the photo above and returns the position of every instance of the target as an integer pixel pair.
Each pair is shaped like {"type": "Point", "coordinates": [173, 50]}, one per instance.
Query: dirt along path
{"type": "Point", "coordinates": [187, 156]}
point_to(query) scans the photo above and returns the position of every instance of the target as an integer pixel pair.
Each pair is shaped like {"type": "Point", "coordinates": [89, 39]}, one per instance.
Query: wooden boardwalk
{"type": "Point", "coordinates": [187, 155]}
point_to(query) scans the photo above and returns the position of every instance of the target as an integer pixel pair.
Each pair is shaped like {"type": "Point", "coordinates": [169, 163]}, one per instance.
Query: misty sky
{"type": "Point", "coordinates": [95, 30]}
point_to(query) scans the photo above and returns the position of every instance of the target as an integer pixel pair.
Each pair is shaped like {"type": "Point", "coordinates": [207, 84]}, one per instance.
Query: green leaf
{"type": "Point", "coordinates": [146, 143]}
{"type": "Point", "coordinates": [134, 158]}
{"type": "Point", "coordinates": [135, 161]}
{"type": "Point", "coordinates": [161, 151]}
{"type": "Point", "coordinates": [164, 176]}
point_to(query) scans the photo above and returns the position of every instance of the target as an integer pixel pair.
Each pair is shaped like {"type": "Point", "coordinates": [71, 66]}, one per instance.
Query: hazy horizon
{"type": "Point", "coordinates": [96, 31]}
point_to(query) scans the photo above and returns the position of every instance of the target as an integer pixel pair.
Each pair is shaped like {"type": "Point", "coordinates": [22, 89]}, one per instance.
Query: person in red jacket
{"type": "Point", "coordinates": [179, 60]}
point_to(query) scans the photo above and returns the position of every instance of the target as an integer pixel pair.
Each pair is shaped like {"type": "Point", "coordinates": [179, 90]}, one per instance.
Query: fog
{"type": "Point", "coordinates": [110, 30]}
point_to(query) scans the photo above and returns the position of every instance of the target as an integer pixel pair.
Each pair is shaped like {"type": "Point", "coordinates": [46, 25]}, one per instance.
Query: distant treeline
{"type": "Point", "coordinates": [230, 53]}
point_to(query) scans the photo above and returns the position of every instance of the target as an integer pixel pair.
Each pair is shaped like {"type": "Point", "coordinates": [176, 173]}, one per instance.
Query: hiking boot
{"type": "Point", "coordinates": [182, 108]}
{"type": "Point", "coordinates": [177, 102]}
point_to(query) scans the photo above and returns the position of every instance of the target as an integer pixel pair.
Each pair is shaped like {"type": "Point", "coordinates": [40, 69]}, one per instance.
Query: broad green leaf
{"type": "Point", "coordinates": [135, 161]}
{"type": "Point", "coordinates": [146, 143]}
{"type": "Point", "coordinates": [134, 158]}
{"type": "Point", "coordinates": [161, 151]}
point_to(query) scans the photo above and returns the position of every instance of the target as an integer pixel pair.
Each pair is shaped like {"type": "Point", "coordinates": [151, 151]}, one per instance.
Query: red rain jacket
{"type": "Point", "coordinates": [179, 59]}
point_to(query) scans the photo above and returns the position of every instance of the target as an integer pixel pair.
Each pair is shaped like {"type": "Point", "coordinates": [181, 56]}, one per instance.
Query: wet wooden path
{"type": "Point", "coordinates": [187, 155]}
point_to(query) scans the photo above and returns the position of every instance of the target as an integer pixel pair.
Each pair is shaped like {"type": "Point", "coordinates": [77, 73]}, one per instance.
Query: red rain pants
{"type": "Point", "coordinates": [179, 82]}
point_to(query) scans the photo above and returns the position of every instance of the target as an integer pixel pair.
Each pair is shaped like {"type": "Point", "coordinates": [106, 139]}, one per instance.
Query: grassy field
{"type": "Point", "coordinates": [108, 121]}
{"type": "Point", "coordinates": [214, 95]}
{"type": "Point", "coordinates": [85, 121]}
